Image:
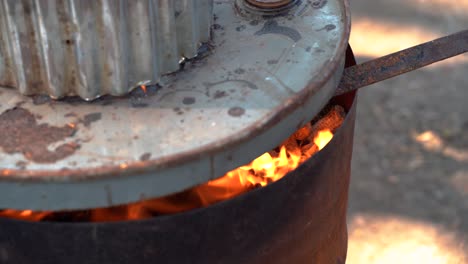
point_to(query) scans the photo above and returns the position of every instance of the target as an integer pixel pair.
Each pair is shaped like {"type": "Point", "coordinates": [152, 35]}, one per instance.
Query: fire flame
{"type": "Point", "coordinates": [323, 137]}
{"type": "Point", "coordinates": [28, 215]}
{"type": "Point", "coordinates": [268, 168]}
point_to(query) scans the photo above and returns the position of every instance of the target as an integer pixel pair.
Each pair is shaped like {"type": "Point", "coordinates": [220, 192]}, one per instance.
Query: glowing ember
{"type": "Point", "coordinates": [268, 168]}
{"type": "Point", "coordinates": [323, 137]}
{"type": "Point", "coordinates": [24, 215]}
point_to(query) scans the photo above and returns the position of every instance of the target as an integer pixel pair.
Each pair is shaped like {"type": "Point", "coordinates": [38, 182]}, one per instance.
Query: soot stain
{"type": "Point", "coordinates": [145, 156]}
{"type": "Point", "coordinates": [239, 71]}
{"type": "Point", "coordinates": [328, 28]}
{"type": "Point", "coordinates": [219, 94]}
{"type": "Point", "coordinates": [178, 110]}
{"type": "Point", "coordinates": [71, 114]}
{"type": "Point", "coordinates": [217, 27]}
{"type": "Point", "coordinates": [139, 105]}
{"type": "Point", "coordinates": [272, 27]}
{"type": "Point", "coordinates": [249, 84]}
{"type": "Point", "coordinates": [236, 111]}
{"type": "Point", "coordinates": [240, 28]}
{"type": "Point", "coordinates": [254, 22]}
{"type": "Point", "coordinates": [317, 4]}
{"type": "Point", "coordinates": [188, 100]}
{"type": "Point", "coordinates": [91, 118]}
{"type": "Point", "coordinates": [22, 134]}
{"type": "Point", "coordinates": [21, 165]}
{"type": "Point", "coordinates": [41, 99]}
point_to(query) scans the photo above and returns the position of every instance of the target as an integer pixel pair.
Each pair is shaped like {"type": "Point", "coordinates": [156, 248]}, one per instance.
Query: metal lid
{"type": "Point", "coordinates": [262, 80]}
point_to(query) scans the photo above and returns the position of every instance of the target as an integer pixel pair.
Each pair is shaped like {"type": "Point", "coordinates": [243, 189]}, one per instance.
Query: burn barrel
{"type": "Point", "coordinates": [225, 105]}
{"type": "Point", "coordinates": [299, 219]}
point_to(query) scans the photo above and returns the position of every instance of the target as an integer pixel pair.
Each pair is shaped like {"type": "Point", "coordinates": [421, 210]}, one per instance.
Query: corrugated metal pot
{"type": "Point", "coordinates": [93, 48]}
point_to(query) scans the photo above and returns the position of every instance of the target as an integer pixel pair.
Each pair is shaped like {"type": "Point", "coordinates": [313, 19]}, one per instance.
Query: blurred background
{"type": "Point", "coordinates": [409, 190]}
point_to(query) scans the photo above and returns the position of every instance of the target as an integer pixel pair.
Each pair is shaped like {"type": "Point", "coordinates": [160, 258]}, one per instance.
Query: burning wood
{"type": "Point", "coordinates": [266, 169]}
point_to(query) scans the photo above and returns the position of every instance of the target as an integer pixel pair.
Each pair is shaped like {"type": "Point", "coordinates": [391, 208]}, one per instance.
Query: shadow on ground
{"type": "Point", "coordinates": [410, 167]}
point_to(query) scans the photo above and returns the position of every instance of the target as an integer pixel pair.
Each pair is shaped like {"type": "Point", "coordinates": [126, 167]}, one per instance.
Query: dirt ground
{"type": "Point", "coordinates": [409, 190]}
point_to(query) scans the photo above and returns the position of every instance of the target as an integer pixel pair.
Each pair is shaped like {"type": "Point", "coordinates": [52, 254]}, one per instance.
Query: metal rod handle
{"type": "Point", "coordinates": [402, 62]}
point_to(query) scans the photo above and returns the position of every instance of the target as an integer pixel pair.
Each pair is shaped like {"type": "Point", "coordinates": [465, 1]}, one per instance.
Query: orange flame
{"type": "Point", "coordinates": [268, 168]}
{"type": "Point", "coordinates": [323, 138]}
{"type": "Point", "coordinates": [27, 215]}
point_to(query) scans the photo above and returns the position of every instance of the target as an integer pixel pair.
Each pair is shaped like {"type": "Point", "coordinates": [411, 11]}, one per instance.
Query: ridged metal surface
{"type": "Point", "coordinates": [92, 48]}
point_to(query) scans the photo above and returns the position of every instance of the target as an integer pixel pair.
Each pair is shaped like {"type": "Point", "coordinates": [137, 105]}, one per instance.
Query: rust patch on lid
{"type": "Point", "coordinates": [22, 134]}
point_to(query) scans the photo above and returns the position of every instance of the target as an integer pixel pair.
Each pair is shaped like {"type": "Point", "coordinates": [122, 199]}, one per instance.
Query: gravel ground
{"type": "Point", "coordinates": [409, 190]}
